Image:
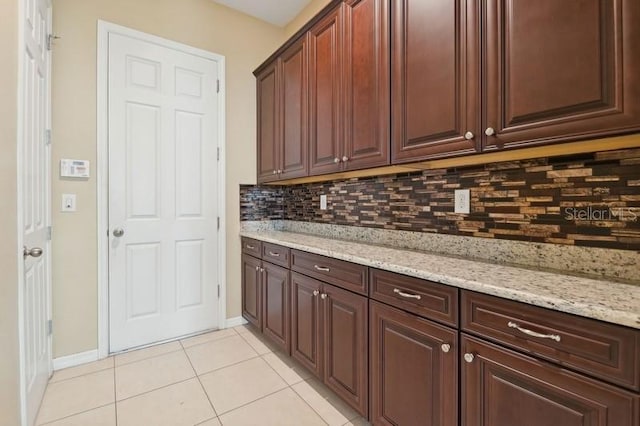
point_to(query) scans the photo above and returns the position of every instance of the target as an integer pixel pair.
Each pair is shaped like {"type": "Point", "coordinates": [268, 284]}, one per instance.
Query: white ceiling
{"type": "Point", "coordinates": [277, 12]}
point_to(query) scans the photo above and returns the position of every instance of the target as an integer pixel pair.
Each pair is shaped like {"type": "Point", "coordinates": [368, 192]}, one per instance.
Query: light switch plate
{"type": "Point", "coordinates": [463, 201]}
{"type": "Point", "coordinates": [323, 202]}
{"type": "Point", "coordinates": [68, 202]}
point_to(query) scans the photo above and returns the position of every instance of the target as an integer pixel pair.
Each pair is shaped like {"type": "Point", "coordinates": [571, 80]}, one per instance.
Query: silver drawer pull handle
{"type": "Point", "coordinates": [274, 254]}
{"type": "Point", "coordinates": [250, 247]}
{"type": "Point", "coordinates": [321, 268]}
{"type": "Point", "coordinates": [555, 337]}
{"type": "Point", "coordinates": [407, 295]}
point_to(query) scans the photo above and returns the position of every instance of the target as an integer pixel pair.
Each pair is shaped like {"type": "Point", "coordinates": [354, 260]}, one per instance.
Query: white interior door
{"type": "Point", "coordinates": [162, 124]}
{"type": "Point", "coordinates": [35, 204]}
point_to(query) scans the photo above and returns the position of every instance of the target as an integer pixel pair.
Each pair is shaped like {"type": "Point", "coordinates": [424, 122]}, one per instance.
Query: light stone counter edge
{"type": "Point", "coordinates": [602, 300]}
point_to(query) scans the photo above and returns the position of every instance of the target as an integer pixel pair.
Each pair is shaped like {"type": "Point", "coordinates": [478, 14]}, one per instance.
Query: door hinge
{"type": "Point", "coordinates": [47, 137]}
{"type": "Point", "coordinates": [218, 291]}
{"type": "Point", "coordinates": [218, 222]}
{"type": "Point", "coordinates": [217, 86]}
{"type": "Point", "coordinates": [218, 153]}
{"type": "Point", "coordinates": [49, 233]}
{"type": "Point", "coordinates": [50, 39]}
{"type": "Point", "coordinates": [50, 327]}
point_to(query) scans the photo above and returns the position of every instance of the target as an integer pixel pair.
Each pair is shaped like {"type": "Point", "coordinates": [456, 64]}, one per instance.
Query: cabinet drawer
{"type": "Point", "coordinates": [252, 247]}
{"type": "Point", "coordinates": [275, 254]}
{"type": "Point", "coordinates": [338, 272]}
{"type": "Point", "coordinates": [602, 350]}
{"type": "Point", "coordinates": [426, 298]}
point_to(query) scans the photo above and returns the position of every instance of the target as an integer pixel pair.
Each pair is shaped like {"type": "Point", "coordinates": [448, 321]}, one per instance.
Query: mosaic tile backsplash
{"type": "Point", "coordinates": [591, 200]}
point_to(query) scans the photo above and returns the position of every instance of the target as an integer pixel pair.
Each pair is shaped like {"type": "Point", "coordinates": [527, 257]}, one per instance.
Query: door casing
{"type": "Point", "coordinates": [104, 29]}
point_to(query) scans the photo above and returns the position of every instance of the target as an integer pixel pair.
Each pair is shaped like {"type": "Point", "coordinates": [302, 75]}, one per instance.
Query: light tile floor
{"type": "Point", "coordinates": [228, 377]}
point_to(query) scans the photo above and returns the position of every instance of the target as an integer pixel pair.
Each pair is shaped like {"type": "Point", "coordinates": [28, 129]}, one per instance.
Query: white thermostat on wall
{"type": "Point", "coordinates": [74, 168]}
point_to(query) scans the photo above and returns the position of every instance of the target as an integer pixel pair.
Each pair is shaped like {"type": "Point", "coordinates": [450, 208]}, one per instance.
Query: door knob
{"type": "Point", "coordinates": [446, 347]}
{"type": "Point", "coordinates": [316, 292]}
{"type": "Point", "coordinates": [345, 158]}
{"type": "Point", "coordinates": [336, 160]}
{"type": "Point", "coordinates": [118, 232]}
{"type": "Point", "coordinates": [468, 136]}
{"type": "Point", "coordinates": [490, 131]}
{"type": "Point", "coordinates": [34, 252]}
{"type": "Point", "coordinates": [468, 357]}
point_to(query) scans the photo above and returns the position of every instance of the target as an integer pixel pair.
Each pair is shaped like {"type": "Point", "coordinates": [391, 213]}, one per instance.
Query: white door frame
{"type": "Point", "coordinates": [20, 206]}
{"type": "Point", "coordinates": [104, 29]}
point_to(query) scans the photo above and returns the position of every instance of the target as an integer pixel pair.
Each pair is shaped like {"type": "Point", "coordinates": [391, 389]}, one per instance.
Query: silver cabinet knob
{"type": "Point", "coordinates": [34, 252]}
{"type": "Point", "coordinates": [468, 357]}
{"type": "Point", "coordinates": [279, 171]}
{"type": "Point", "coordinates": [257, 268]}
{"type": "Point", "coordinates": [490, 131]}
{"type": "Point", "coordinates": [446, 347]}
{"type": "Point", "coordinates": [275, 172]}
{"type": "Point", "coordinates": [118, 232]}
{"type": "Point", "coordinates": [468, 136]}
{"type": "Point", "coordinates": [316, 292]}
{"type": "Point", "coordinates": [261, 269]}
{"type": "Point", "coordinates": [345, 158]}
{"type": "Point", "coordinates": [336, 160]}
{"type": "Point", "coordinates": [323, 296]}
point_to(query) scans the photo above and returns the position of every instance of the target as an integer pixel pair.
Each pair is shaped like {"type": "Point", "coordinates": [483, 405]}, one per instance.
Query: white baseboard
{"type": "Point", "coordinates": [235, 321]}
{"type": "Point", "coordinates": [75, 359]}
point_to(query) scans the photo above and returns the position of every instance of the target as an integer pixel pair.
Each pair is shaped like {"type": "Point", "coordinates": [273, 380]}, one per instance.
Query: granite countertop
{"type": "Point", "coordinates": [598, 299]}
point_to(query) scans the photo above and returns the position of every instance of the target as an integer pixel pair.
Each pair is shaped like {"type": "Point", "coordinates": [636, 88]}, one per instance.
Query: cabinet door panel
{"type": "Point", "coordinates": [561, 70]}
{"type": "Point", "coordinates": [275, 304]}
{"type": "Point", "coordinates": [268, 123]}
{"type": "Point", "coordinates": [435, 78]}
{"type": "Point", "coordinates": [413, 382]}
{"type": "Point", "coordinates": [325, 62]}
{"type": "Point", "coordinates": [251, 290]}
{"type": "Point", "coordinates": [366, 83]}
{"type": "Point", "coordinates": [346, 343]}
{"type": "Point", "coordinates": [504, 388]}
{"type": "Point", "coordinates": [306, 327]}
{"type": "Point", "coordinates": [294, 109]}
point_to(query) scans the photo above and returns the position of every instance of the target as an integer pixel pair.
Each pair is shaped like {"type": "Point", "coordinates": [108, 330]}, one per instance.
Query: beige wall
{"type": "Point", "coordinates": [9, 367]}
{"type": "Point", "coordinates": [244, 41]}
{"type": "Point", "coordinates": [304, 16]}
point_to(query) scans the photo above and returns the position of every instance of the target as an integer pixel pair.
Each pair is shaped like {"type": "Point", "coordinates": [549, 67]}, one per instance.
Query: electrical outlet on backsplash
{"type": "Point", "coordinates": [593, 201]}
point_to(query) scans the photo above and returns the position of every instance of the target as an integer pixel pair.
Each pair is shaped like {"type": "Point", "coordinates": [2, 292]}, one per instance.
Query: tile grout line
{"type": "Point", "coordinates": [115, 396]}
{"type": "Point", "coordinates": [308, 403]}
{"type": "Point", "coordinates": [200, 381]}
{"type": "Point", "coordinates": [79, 375]}
{"type": "Point", "coordinates": [74, 414]}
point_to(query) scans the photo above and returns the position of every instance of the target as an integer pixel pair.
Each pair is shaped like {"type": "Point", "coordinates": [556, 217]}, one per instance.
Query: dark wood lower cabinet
{"type": "Point", "coordinates": [414, 378]}
{"type": "Point", "coordinates": [329, 337]}
{"type": "Point", "coordinates": [306, 329]}
{"type": "Point", "coordinates": [275, 304]}
{"type": "Point", "coordinates": [501, 387]}
{"type": "Point", "coordinates": [345, 320]}
{"type": "Point", "coordinates": [252, 290]}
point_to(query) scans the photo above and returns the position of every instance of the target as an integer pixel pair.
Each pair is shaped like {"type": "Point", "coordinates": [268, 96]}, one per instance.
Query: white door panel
{"type": "Point", "coordinates": [162, 180]}
{"type": "Point", "coordinates": [35, 190]}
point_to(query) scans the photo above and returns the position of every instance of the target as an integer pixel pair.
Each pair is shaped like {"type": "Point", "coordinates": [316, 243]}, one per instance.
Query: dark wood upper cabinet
{"type": "Point", "coordinates": [294, 112]}
{"type": "Point", "coordinates": [275, 304]}
{"type": "Point", "coordinates": [560, 70]}
{"type": "Point", "coordinates": [500, 387]}
{"type": "Point", "coordinates": [268, 123]}
{"type": "Point", "coordinates": [366, 84]}
{"type": "Point", "coordinates": [325, 85]}
{"type": "Point", "coordinates": [345, 318]}
{"type": "Point", "coordinates": [435, 79]}
{"type": "Point", "coordinates": [413, 380]}
{"type": "Point", "coordinates": [252, 290]}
